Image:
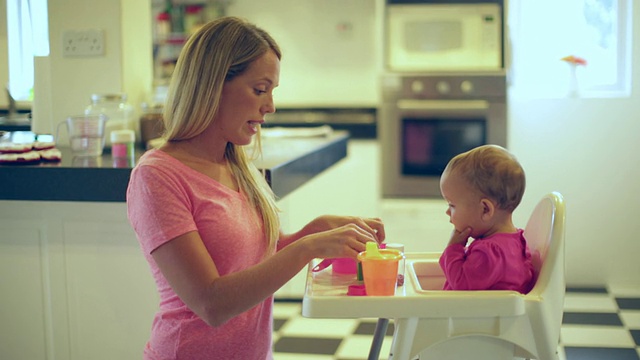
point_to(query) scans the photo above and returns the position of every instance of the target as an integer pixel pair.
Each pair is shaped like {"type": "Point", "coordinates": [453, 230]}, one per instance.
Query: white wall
{"type": "Point", "coordinates": [64, 84]}
{"type": "Point", "coordinates": [588, 150]}
{"type": "Point", "coordinates": [323, 63]}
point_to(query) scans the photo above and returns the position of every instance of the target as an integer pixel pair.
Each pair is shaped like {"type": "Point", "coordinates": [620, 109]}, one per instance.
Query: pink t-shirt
{"type": "Point", "coordinates": [166, 199]}
{"type": "Point", "coordinates": [498, 262]}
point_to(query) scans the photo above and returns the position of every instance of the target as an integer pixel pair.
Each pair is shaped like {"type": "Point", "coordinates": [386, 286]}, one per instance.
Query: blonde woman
{"type": "Point", "coordinates": [206, 220]}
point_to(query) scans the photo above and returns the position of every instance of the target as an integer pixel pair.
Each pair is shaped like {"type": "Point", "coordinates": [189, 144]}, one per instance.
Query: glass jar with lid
{"type": "Point", "coordinates": [120, 114]}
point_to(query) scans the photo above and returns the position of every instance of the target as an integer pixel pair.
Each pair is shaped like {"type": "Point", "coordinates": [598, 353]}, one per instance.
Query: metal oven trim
{"type": "Point", "coordinates": [403, 104]}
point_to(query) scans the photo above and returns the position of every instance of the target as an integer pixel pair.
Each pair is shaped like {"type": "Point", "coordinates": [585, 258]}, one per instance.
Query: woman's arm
{"type": "Point", "coordinates": [193, 275]}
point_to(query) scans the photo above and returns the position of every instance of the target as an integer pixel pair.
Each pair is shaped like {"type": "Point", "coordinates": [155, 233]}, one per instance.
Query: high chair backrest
{"type": "Point", "coordinates": [544, 233]}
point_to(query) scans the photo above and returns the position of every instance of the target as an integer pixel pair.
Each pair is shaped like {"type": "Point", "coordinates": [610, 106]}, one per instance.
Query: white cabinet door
{"type": "Point", "coordinates": [25, 310]}
{"type": "Point", "coordinates": [73, 283]}
{"type": "Point", "coordinates": [112, 298]}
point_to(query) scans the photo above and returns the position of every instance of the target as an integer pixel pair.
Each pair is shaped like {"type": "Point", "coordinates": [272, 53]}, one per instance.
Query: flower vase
{"type": "Point", "coordinates": [573, 82]}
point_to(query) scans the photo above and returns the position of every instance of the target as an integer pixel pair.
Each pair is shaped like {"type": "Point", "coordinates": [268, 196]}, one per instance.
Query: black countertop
{"type": "Point", "coordinates": [288, 163]}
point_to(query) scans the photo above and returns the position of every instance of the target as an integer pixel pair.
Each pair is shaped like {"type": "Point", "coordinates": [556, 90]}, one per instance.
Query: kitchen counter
{"type": "Point", "coordinates": [72, 251]}
{"type": "Point", "coordinates": [360, 122]}
{"type": "Point", "coordinates": [287, 162]}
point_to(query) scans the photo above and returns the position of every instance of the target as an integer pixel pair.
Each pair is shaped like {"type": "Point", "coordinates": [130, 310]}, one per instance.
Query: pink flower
{"type": "Point", "coordinates": [574, 60]}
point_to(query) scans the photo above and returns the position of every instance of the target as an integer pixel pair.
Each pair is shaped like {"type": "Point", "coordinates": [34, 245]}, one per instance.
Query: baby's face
{"type": "Point", "coordinates": [464, 206]}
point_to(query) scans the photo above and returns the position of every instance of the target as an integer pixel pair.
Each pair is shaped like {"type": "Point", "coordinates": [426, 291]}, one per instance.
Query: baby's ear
{"type": "Point", "coordinates": [488, 208]}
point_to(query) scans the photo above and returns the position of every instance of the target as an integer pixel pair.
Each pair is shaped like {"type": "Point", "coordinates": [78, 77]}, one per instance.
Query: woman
{"type": "Point", "coordinates": [205, 217]}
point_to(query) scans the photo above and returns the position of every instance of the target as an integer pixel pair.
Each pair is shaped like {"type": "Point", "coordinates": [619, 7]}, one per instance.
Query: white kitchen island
{"type": "Point", "coordinates": [73, 282]}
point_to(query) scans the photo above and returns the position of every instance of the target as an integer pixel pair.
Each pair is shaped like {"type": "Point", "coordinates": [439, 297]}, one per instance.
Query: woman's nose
{"type": "Point", "coordinates": [269, 107]}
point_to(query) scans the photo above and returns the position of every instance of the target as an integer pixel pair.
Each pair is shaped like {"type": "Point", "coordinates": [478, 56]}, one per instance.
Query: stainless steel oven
{"type": "Point", "coordinates": [425, 120]}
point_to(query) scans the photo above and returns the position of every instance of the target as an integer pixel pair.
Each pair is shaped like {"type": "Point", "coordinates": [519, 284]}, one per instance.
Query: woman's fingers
{"type": "Point", "coordinates": [374, 226]}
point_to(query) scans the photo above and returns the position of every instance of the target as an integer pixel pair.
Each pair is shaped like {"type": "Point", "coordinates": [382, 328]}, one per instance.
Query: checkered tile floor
{"type": "Point", "coordinates": [598, 324]}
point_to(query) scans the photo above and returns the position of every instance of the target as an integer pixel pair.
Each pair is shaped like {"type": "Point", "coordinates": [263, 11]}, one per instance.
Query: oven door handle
{"type": "Point", "coordinates": [409, 104]}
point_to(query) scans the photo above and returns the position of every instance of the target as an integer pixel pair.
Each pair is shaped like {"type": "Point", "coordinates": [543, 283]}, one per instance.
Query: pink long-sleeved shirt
{"type": "Point", "coordinates": [499, 262]}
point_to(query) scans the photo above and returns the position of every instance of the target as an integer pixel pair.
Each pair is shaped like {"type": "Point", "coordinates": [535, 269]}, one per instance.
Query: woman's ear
{"type": "Point", "coordinates": [488, 209]}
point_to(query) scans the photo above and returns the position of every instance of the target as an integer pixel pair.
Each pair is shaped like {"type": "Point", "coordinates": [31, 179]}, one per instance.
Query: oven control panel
{"type": "Point", "coordinates": [474, 87]}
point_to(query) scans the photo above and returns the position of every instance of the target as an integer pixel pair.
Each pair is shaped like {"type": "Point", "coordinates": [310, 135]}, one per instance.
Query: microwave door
{"type": "Point", "coordinates": [433, 37]}
{"type": "Point", "coordinates": [454, 37]}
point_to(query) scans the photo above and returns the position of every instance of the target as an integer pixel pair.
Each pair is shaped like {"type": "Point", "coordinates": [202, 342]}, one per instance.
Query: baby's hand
{"type": "Point", "coordinates": [460, 237]}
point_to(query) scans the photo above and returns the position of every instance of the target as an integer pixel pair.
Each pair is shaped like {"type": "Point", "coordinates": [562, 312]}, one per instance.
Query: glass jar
{"type": "Point", "coordinates": [120, 114]}
{"type": "Point", "coordinates": [151, 125]}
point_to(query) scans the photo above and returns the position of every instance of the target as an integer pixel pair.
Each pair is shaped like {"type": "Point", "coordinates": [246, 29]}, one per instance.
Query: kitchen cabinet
{"type": "Point", "coordinates": [111, 295]}
{"type": "Point", "coordinates": [24, 318]}
{"type": "Point", "coordinates": [74, 284]}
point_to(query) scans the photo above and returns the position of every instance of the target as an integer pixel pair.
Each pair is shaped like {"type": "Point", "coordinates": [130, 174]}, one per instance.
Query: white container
{"type": "Point", "coordinates": [121, 115]}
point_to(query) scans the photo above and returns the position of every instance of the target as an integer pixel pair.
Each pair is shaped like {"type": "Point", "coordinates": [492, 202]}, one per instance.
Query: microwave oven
{"type": "Point", "coordinates": [444, 37]}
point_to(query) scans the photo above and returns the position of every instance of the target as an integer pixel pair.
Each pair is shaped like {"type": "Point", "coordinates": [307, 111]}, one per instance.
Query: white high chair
{"type": "Point", "coordinates": [521, 326]}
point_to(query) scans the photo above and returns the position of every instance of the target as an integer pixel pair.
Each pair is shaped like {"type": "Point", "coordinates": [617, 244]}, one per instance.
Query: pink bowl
{"type": "Point", "coordinates": [344, 266]}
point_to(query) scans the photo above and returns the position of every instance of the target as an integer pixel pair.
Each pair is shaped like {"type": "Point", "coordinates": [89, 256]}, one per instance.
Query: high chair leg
{"type": "Point", "coordinates": [404, 334]}
{"type": "Point", "coordinates": [378, 338]}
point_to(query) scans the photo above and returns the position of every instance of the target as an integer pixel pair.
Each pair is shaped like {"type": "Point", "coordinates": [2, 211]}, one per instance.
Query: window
{"type": "Point", "coordinates": [28, 36]}
{"type": "Point", "coordinates": [544, 31]}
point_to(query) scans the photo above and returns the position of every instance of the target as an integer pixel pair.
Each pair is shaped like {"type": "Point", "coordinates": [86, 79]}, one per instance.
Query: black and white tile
{"type": "Point", "coordinates": [600, 323]}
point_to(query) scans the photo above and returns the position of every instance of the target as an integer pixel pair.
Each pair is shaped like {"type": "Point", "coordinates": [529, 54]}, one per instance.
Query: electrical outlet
{"type": "Point", "coordinates": [82, 43]}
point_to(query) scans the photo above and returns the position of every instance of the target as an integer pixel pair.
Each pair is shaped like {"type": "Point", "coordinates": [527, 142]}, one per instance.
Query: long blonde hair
{"type": "Point", "coordinates": [219, 51]}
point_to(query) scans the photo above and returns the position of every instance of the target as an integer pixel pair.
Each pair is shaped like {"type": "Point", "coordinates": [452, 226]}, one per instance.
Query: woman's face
{"type": "Point", "coordinates": [247, 98]}
{"type": "Point", "coordinates": [465, 207]}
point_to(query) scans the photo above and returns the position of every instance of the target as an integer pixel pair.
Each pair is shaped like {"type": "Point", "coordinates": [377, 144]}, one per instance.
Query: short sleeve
{"type": "Point", "coordinates": [158, 206]}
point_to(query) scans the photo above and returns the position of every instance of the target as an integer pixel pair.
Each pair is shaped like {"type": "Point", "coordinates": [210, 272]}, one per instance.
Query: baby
{"type": "Point", "coordinates": [483, 187]}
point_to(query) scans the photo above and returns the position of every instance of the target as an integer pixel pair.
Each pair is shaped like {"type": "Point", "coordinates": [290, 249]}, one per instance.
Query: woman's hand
{"type": "Point", "coordinates": [345, 241]}
{"type": "Point", "coordinates": [332, 227]}
{"type": "Point", "coordinates": [460, 237]}
{"type": "Point", "coordinates": [373, 226]}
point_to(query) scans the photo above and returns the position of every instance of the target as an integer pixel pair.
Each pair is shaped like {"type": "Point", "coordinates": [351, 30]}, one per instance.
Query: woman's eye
{"type": "Point", "coordinates": [260, 91]}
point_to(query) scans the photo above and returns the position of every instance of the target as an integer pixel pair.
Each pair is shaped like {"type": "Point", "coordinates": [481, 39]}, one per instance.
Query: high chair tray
{"type": "Point", "coordinates": [420, 296]}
